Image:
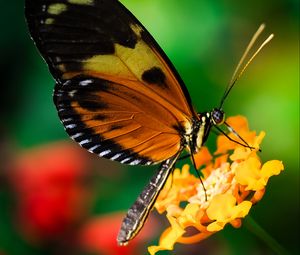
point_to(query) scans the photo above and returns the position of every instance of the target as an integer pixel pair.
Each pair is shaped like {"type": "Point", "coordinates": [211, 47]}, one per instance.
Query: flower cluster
{"type": "Point", "coordinates": [234, 180]}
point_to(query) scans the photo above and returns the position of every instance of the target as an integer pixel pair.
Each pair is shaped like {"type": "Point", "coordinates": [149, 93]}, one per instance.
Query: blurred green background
{"type": "Point", "coordinates": [204, 40]}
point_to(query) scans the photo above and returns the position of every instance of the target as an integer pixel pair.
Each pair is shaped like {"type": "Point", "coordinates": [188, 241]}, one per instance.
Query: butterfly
{"type": "Point", "coordinates": [117, 93]}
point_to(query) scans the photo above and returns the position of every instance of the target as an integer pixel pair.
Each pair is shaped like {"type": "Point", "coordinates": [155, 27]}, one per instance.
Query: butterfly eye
{"type": "Point", "coordinates": [218, 117]}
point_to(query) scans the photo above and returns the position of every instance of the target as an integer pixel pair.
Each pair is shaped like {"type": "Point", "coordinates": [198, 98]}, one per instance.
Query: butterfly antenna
{"type": "Point", "coordinates": [238, 71]}
{"type": "Point", "coordinates": [249, 47]}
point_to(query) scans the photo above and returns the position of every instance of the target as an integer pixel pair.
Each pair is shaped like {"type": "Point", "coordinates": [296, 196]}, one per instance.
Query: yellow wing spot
{"type": "Point", "coordinates": [49, 21]}
{"type": "Point", "coordinates": [108, 65]}
{"type": "Point", "coordinates": [139, 59]}
{"type": "Point", "coordinates": [82, 2]}
{"type": "Point", "coordinates": [126, 62]}
{"type": "Point", "coordinates": [57, 9]}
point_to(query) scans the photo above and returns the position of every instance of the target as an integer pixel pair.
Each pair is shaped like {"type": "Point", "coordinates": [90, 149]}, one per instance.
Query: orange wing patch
{"type": "Point", "coordinates": [109, 119]}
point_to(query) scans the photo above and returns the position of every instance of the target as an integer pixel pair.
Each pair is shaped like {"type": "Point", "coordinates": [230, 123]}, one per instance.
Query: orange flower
{"type": "Point", "coordinates": [234, 180]}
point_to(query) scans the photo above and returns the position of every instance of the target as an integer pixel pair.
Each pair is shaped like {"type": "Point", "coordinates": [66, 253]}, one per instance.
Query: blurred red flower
{"type": "Point", "coordinates": [99, 235]}
{"type": "Point", "coordinates": [52, 186]}
{"type": "Point", "coordinates": [50, 183]}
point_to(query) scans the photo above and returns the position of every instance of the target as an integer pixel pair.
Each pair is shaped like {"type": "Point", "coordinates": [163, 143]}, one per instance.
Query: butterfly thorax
{"type": "Point", "coordinates": [202, 127]}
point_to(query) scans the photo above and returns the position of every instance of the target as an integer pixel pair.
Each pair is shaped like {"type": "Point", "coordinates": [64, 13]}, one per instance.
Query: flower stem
{"type": "Point", "coordinates": [258, 231]}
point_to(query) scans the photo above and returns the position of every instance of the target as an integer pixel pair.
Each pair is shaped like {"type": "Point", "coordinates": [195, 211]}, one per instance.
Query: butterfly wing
{"type": "Point", "coordinates": [116, 92]}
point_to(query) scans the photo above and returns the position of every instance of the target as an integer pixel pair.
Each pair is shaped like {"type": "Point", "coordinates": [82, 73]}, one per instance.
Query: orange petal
{"type": "Point", "coordinates": [202, 157]}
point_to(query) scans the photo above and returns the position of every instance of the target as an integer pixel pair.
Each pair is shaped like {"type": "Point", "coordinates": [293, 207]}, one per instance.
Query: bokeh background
{"type": "Point", "coordinates": [55, 198]}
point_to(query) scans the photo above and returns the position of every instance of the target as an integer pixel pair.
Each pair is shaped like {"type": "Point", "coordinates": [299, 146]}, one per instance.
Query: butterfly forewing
{"type": "Point", "coordinates": [117, 94]}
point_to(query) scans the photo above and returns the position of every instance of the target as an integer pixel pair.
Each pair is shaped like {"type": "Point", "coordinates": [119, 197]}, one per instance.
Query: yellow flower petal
{"type": "Point", "coordinates": [166, 241]}
{"type": "Point", "coordinates": [242, 153]}
{"type": "Point", "coordinates": [180, 186]}
{"type": "Point", "coordinates": [189, 215]}
{"type": "Point", "coordinates": [250, 174]}
{"type": "Point", "coordinates": [270, 168]}
{"type": "Point", "coordinates": [223, 209]}
{"type": "Point", "coordinates": [169, 238]}
{"type": "Point", "coordinates": [215, 226]}
{"type": "Point", "coordinates": [247, 173]}
{"type": "Point", "coordinates": [258, 139]}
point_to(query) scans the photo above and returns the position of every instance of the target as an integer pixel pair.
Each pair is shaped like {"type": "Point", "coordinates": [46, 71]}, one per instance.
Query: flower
{"type": "Point", "coordinates": [50, 184]}
{"type": "Point", "coordinates": [234, 180]}
{"type": "Point", "coordinates": [98, 235]}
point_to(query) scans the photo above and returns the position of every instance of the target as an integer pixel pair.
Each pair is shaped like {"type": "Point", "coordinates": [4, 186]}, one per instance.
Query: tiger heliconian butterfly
{"type": "Point", "coordinates": [117, 93]}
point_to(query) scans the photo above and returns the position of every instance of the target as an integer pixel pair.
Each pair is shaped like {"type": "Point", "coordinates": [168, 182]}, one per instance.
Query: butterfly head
{"type": "Point", "coordinates": [217, 117]}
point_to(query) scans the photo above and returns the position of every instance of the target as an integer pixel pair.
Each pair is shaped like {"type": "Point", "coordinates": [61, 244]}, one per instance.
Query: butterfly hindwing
{"type": "Point", "coordinates": [117, 93]}
{"type": "Point", "coordinates": [105, 118]}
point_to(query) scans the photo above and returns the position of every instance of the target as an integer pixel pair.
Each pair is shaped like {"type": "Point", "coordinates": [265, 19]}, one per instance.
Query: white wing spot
{"type": "Point", "coordinates": [70, 126]}
{"type": "Point", "coordinates": [66, 120]}
{"type": "Point", "coordinates": [84, 141]}
{"type": "Point", "coordinates": [94, 147]}
{"type": "Point", "coordinates": [116, 156]}
{"type": "Point", "coordinates": [72, 93]}
{"type": "Point", "coordinates": [85, 82]}
{"type": "Point", "coordinates": [103, 153]}
{"type": "Point", "coordinates": [135, 162]}
{"type": "Point", "coordinates": [125, 160]}
{"type": "Point", "coordinates": [44, 8]}
{"type": "Point", "coordinates": [76, 135]}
